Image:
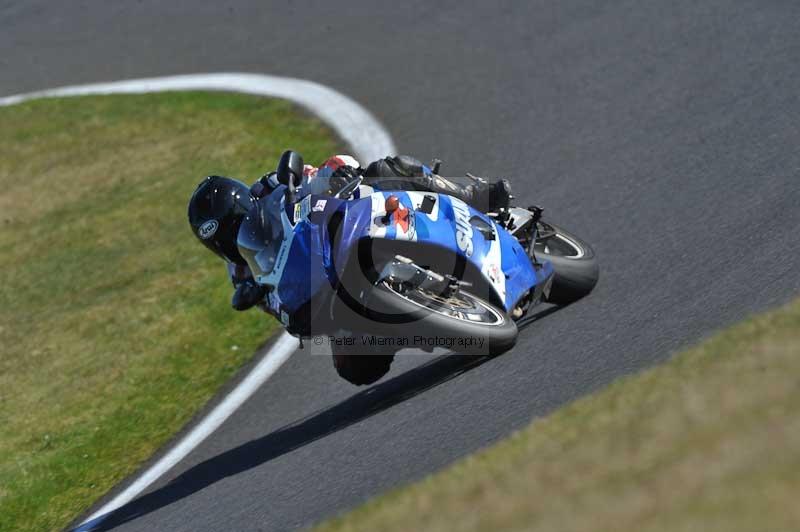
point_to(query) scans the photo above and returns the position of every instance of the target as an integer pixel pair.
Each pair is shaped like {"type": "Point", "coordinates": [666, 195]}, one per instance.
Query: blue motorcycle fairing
{"type": "Point", "coordinates": [306, 261]}
{"type": "Point", "coordinates": [450, 224]}
{"type": "Point", "coordinates": [294, 265]}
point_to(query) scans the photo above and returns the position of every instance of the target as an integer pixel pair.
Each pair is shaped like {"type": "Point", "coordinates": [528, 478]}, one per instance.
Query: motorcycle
{"type": "Point", "coordinates": [406, 269]}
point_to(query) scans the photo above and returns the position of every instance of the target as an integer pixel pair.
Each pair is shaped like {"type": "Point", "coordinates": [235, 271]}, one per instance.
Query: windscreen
{"type": "Point", "coordinates": [261, 235]}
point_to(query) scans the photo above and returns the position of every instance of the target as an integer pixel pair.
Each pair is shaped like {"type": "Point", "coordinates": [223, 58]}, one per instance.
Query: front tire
{"type": "Point", "coordinates": [361, 369]}
{"type": "Point", "coordinates": [574, 262]}
{"type": "Point", "coordinates": [462, 322]}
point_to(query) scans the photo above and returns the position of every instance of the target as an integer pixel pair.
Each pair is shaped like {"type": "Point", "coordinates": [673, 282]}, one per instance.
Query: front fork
{"type": "Point", "coordinates": [536, 211]}
{"type": "Point", "coordinates": [506, 218]}
{"type": "Point", "coordinates": [531, 231]}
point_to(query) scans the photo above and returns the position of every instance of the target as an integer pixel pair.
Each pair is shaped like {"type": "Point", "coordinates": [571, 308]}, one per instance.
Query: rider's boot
{"type": "Point", "coordinates": [247, 295]}
{"type": "Point", "coordinates": [482, 195]}
{"type": "Point", "coordinates": [490, 197]}
{"type": "Point", "coordinates": [404, 173]}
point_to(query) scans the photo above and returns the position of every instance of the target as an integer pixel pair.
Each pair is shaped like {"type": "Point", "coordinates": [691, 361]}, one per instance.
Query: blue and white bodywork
{"type": "Point", "coordinates": [457, 228]}
{"type": "Point", "coordinates": [304, 257]}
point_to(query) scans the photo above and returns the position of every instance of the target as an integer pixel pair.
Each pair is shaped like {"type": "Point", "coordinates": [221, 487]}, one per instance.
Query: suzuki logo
{"type": "Point", "coordinates": [463, 227]}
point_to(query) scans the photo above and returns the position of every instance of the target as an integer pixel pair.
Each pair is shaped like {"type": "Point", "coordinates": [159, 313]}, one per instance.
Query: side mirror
{"type": "Point", "coordinates": [290, 166]}
{"type": "Point", "coordinates": [290, 172]}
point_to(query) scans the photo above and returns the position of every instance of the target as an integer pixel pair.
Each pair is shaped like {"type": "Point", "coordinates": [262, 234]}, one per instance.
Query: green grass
{"type": "Point", "coordinates": [115, 323]}
{"type": "Point", "coordinates": [709, 441]}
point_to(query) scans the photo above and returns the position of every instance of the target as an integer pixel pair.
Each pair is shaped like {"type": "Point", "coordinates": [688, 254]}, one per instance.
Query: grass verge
{"type": "Point", "coordinates": [708, 441]}
{"type": "Point", "coordinates": [115, 324]}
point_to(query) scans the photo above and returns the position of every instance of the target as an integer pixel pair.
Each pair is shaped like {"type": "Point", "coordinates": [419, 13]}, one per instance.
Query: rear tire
{"type": "Point", "coordinates": [574, 262]}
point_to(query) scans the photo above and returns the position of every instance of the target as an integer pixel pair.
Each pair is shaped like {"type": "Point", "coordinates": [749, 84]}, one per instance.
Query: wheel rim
{"type": "Point", "coordinates": [462, 306]}
{"type": "Point", "coordinates": [560, 245]}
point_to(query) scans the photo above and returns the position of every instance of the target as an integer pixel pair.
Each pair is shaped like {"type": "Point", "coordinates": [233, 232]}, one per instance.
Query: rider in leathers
{"type": "Point", "coordinates": [219, 204]}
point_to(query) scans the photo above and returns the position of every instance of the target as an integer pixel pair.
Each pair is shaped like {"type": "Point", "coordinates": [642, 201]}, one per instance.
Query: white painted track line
{"type": "Point", "coordinates": [368, 139]}
{"type": "Point", "coordinates": [352, 123]}
{"type": "Point", "coordinates": [274, 358]}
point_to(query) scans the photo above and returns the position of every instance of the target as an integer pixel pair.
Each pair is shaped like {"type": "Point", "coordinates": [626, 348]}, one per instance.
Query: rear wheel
{"type": "Point", "coordinates": [574, 262]}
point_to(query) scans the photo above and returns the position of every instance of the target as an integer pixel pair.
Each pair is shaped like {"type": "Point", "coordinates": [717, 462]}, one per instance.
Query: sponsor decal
{"type": "Point", "coordinates": [319, 206]}
{"type": "Point", "coordinates": [393, 220]}
{"type": "Point", "coordinates": [404, 220]}
{"type": "Point", "coordinates": [463, 227]}
{"type": "Point", "coordinates": [493, 272]}
{"type": "Point", "coordinates": [208, 229]}
{"type": "Point", "coordinates": [283, 256]}
{"type": "Point", "coordinates": [302, 209]}
{"type": "Point", "coordinates": [274, 302]}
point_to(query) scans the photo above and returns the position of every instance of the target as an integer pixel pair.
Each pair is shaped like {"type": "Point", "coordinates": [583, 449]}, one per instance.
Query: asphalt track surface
{"type": "Point", "coordinates": [665, 133]}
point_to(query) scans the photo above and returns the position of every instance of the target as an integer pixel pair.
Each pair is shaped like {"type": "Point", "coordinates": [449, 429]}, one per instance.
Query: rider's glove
{"type": "Point", "coordinates": [247, 295]}
{"type": "Point", "coordinates": [265, 185]}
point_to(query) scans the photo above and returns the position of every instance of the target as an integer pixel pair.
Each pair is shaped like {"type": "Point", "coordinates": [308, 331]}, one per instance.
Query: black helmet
{"type": "Point", "coordinates": [216, 211]}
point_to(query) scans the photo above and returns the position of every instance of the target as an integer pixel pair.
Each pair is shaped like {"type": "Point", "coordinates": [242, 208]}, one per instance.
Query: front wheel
{"type": "Point", "coordinates": [460, 322]}
{"type": "Point", "coordinates": [574, 262]}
